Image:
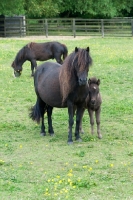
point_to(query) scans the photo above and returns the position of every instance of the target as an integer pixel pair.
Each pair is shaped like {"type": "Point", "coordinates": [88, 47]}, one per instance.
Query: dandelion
{"type": "Point", "coordinates": [90, 168]}
{"type": "Point", "coordinates": [69, 180]}
{"type": "Point", "coordinates": [111, 165]}
{"type": "Point", "coordinates": [85, 167]}
{"type": "Point", "coordinates": [57, 176]}
{"type": "Point", "coordinates": [60, 181]}
{"type": "Point", "coordinates": [96, 161]}
{"type": "Point", "coordinates": [20, 146]}
{"type": "Point", "coordinates": [70, 174]}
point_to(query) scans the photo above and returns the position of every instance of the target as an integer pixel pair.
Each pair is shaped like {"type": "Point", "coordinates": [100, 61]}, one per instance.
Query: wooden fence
{"type": "Point", "coordinates": [117, 27]}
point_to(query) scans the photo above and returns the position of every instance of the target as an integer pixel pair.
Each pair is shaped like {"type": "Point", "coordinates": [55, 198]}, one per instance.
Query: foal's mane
{"type": "Point", "coordinates": [77, 61]}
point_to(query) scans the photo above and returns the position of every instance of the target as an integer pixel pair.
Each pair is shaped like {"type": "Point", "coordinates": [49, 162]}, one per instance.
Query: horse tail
{"type": "Point", "coordinates": [65, 52]}
{"type": "Point", "coordinates": [38, 110]}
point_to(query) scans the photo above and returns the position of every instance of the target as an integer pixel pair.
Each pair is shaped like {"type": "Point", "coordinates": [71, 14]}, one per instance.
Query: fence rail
{"type": "Point", "coordinates": [117, 27]}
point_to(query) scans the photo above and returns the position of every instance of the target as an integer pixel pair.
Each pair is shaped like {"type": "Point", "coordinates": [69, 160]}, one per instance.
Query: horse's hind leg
{"type": "Point", "coordinates": [49, 114]}
{"type": "Point", "coordinates": [42, 106]}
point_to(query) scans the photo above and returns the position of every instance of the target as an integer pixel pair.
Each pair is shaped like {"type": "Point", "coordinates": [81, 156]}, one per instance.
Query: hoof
{"type": "Point", "coordinates": [51, 134]}
{"type": "Point", "coordinates": [43, 134]}
{"type": "Point", "coordinates": [100, 136]}
{"type": "Point", "coordinates": [70, 142]}
{"type": "Point", "coordinates": [79, 140]}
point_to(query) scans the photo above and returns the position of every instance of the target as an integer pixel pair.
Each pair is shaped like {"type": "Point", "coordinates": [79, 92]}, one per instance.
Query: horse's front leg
{"type": "Point", "coordinates": [79, 114]}
{"type": "Point", "coordinates": [33, 65]}
{"type": "Point", "coordinates": [97, 114]}
{"type": "Point", "coordinates": [91, 112]}
{"type": "Point", "coordinates": [71, 121]}
{"type": "Point", "coordinates": [81, 130]}
{"type": "Point", "coordinates": [49, 114]}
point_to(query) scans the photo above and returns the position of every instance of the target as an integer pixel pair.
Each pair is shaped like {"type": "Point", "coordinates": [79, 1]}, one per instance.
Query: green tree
{"type": "Point", "coordinates": [11, 7]}
{"type": "Point", "coordinates": [67, 8]}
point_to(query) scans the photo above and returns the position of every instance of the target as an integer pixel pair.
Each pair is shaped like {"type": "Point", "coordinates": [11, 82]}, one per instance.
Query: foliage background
{"type": "Point", "coordinates": [67, 8]}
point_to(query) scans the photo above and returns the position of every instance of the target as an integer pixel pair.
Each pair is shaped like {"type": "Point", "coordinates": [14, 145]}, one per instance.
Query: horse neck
{"type": "Point", "coordinates": [20, 57]}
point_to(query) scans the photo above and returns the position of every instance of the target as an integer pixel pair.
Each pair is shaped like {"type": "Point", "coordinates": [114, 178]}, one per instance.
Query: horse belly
{"type": "Point", "coordinates": [49, 92]}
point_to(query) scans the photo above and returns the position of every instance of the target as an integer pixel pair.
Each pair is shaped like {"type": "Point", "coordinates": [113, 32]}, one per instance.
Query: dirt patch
{"type": "Point", "coordinates": [50, 38]}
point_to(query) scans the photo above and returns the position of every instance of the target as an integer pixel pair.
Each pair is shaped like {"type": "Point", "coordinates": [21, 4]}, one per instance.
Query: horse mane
{"type": "Point", "coordinates": [77, 60]}
{"type": "Point", "coordinates": [19, 56]}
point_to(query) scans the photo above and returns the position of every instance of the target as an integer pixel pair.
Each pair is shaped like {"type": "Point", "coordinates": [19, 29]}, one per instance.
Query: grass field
{"type": "Point", "coordinates": [33, 167]}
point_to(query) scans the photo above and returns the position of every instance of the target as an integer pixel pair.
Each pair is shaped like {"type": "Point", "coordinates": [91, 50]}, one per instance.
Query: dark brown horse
{"type": "Point", "coordinates": [93, 103]}
{"type": "Point", "coordinates": [62, 86]}
{"type": "Point", "coordinates": [38, 52]}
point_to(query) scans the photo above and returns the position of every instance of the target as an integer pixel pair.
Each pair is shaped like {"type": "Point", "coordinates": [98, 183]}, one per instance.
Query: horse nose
{"type": "Point", "coordinates": [93, 101]}
{"type": "Point", "coordinates": [82, 81]}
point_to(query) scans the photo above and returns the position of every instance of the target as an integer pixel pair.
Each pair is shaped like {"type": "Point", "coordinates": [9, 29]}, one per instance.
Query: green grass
{"type": "Point", "coordinates": [38, 168]}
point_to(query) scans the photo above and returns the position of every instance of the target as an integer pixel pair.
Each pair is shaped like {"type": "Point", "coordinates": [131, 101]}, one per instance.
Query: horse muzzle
{"type": "Point", "coordinates": [82, 82]}
{"type": "Point", "coordinates": [17, 73]}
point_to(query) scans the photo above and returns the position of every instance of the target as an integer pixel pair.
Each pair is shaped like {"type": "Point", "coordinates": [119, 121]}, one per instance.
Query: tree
{"type": "Point", "coordinates": [11, 7]}
{"type": "Point", "coordinates": [67, 8]}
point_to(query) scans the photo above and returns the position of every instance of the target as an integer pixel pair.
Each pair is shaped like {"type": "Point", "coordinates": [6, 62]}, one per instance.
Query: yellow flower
{"type": "Point", "coordinates": [20, 146]}
{"type": "Point", "coordinates": [111, 165]}
{"type": "Point", "coordinates": [84, 166]}
{"type": "Point", "coordinates": [70, 174]}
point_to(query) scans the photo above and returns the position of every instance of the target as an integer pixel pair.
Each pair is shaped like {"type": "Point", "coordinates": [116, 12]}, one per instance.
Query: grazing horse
{"type": "Point", "coordinates": [38, 51]}
{"type": "Point", "coordinates": [62, 86]}
{"type": "Point", "coordinates": [93, 103]}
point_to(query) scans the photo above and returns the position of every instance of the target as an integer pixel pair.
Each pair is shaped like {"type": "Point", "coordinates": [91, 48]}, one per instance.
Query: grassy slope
{"type": "Point", "coordinates": [35, 167]}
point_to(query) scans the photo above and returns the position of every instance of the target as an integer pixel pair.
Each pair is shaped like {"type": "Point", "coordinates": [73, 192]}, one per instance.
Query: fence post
{"type": "Point", "coordinates": [102, 27]}
{"type": "Point", "coordinates": [74, 30]}
{"type": "Point", "coordinates": [132, 26]}
{"type": "Point", "coordinates": [46, 27]}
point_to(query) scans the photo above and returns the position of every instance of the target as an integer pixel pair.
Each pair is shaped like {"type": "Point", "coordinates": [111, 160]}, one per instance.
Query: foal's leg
{"type": "Point", "coordinates": [91, 112]}
{"type": "Point", "coordinates": [97, 114]}
{"type": "Point", "coordinates": [79, 115]}
{"type": "Point", "coordinates": [49, 114]}
{"type": "Point", "coordinates": [33, 65]}
{"type": "Point", "coordinates": [71, 121]}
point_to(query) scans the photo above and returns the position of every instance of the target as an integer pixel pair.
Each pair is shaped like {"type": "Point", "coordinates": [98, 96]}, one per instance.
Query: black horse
{"type": "Point", "coordinates": [38, 51]}
{"type": "Point", "coordinates": [62, 86]}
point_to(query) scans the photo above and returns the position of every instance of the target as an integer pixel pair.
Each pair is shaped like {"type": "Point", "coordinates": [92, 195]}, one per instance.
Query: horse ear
{"type": "Point", "coordinates": [98, 82]}
{"type": "Point", "coordinates": [76, 49]}
{"type": "Point", "coordinates": [88, 49]}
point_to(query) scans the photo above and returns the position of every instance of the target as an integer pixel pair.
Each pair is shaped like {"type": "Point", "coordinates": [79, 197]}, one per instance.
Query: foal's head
{"type": "Point", "coordinates": [93, 90]}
